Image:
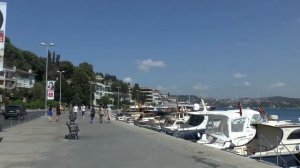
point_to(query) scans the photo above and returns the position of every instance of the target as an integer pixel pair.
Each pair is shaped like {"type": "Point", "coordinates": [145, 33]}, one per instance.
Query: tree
{"type": "Point", "coordinates": [80, 85]}
{"type": "Point", "coordinates": [76, 99]}
{"type": "Point", "coordinates": [104, 100]}
{"type": "Point", "coordinates": [68, 67]}
{"type": "Point", "coordinates": [88, 70]}
{"type": "Point", "coordinates": [38, 91]}
{"type": "Point", "coordinates": [57, 61]}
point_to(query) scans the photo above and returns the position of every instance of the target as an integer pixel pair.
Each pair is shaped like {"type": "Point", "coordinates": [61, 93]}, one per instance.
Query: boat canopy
{"type": "Point", "coordinates": [267, 137]}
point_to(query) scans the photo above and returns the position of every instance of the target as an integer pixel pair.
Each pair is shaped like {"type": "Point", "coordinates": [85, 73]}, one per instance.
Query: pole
{"type": "Point", "coordinates": [60, 87]}
{"type": "Point", "coordinates": [91, 95]}
{"type": "Point", "coordinates": [60, 72]}
{"type": "Point", "coordinates": [118, 98]}
{"type": "Point", "coordinates": [47, 49]}
{"type": "Point", "coordinates": [46, 96]}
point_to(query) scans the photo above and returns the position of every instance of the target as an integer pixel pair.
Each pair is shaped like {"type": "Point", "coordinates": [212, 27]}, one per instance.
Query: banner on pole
{"type": "Point", "coordinates": [50, 90]}
{"type": "Point", "coordinates": [2, 32]}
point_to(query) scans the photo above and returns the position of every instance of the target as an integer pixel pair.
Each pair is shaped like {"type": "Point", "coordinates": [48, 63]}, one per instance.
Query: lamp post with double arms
{"type": "Point", "coordinates": [91, 94]}
{"type": "Point", "coordinates": [118, 96]}
{"type": "Point", "coordinates": [60, 72]}
{"type": "Point", "coordinates": [46, 78]}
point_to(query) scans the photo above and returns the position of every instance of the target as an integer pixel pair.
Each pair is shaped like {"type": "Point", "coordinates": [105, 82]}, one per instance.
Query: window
{"type": "Point", "coordinates": [195, 120]}
{"type": "Point", "coordinates": [237, 125]}
{"type": "Point", "coordinates": [294, 135]}
{"type": "Point", "coordinates": [257, 118]}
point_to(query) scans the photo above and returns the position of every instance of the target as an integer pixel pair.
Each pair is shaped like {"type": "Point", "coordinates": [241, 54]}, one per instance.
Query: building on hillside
{"type": "Point", "coordinates": [24, 79]}
{"type": "Point", "coordinates": [11, 78]}
{"type": "Point", "coordinates": [152, 95]}
{"type": "Point", "coordinates": [100, 91]}
{"type": "Point", "coordinates": [7, 78]}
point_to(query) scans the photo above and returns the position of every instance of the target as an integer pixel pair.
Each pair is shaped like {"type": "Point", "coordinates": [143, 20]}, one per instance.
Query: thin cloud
{"type": "Point", "coordinates": [277, 84]}
{"type": "Point", "coordinates": [247, 83]}
{"type": "Point", "coordinates": [298, 20]}
{"type": "Point", "coordinates": [127, 80]}
{"type": "Point", "coordinates": [201, 87]}
{"type": "Point", "coordinates": [146, 65]}
{"type": "Point", "coordinates": [239, 75]}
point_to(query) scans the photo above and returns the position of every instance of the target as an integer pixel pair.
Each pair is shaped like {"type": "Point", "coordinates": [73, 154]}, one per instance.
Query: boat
{"type": "Point", "coordinates": [276, 142]}
{"type": "Point", "coordinates": [194, 127]}
{"type": "Point", "coordinates": [230, 128]}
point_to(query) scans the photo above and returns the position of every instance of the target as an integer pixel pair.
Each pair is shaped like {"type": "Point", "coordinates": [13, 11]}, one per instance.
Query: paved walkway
{"type": "Point", "coordinates": [41, 144]}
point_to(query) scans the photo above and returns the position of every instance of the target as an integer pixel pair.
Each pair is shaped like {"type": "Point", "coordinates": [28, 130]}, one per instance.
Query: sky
{"type": "Point", "coordinates": [207, 48]}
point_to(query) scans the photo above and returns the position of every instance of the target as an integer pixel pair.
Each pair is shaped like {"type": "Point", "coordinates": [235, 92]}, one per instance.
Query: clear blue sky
{"type": "Point", "coordinates": [209, 48]}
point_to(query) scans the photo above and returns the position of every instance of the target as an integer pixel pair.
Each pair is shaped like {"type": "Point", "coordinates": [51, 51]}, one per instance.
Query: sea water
{"type": "Point", "coordinates": [292, 114]}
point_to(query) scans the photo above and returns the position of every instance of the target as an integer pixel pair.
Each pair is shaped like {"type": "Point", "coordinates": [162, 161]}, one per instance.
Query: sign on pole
{"type": "Point", "coordinates": [50, 90]}
{"type": "Point", "coordinates": [2, 32]}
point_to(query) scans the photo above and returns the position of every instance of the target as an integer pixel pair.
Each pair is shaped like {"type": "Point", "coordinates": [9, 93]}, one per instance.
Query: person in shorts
{"type": "Point", "coordinates": [82, 111]}
{"type": "Point", "coordinates": [93, 112]}
{"type": "Point", "coordinates": [50, 114]}
{"type": "Point", "coordinates": [58, 113]}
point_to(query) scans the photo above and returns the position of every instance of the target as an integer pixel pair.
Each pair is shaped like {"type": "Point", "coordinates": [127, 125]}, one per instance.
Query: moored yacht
{"type": "Point", "coordinates": [231, 128]}
{"type": "Point", "coordinates": [277, 142]}
{"type": "Point", "coordinates": [193, 128]}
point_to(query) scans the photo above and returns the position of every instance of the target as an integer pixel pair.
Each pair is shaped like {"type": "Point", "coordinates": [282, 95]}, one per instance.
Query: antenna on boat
{"type": "Point", "coordinates": [204, 105]}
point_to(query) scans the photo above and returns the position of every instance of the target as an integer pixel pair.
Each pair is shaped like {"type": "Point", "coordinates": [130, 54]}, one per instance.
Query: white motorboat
{"type": "Point", "coordinates": [193, 128]}
{"type": "Point", "coordinates": [277, 142]}
{"type": "Point", "coordinates": [231, 128]}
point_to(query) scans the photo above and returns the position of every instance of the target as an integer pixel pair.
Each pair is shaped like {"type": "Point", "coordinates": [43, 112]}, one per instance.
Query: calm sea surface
{"type": "Point", "coordinates": [285, 113]}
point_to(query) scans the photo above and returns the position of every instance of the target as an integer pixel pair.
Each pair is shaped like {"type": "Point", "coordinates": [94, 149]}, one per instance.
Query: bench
{"type": "Point", "coordinates": [73, 131]}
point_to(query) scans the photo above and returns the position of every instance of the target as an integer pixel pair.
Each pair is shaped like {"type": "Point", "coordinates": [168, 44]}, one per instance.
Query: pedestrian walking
{"type": "Point", "coordinates": [50, 113]}
{"type": "Point", "coordinates": [75, 110]}
{"type": "Point", "coordinates": [93, 112]}
{"type": "Point", "coordinates": [108, 114]}
{"type": "Point", "coordinates": [58, 113]}
{"type": "Point", "coordinates": [101, 113]}
{"type": "Point", "coordinates": [82, 111]}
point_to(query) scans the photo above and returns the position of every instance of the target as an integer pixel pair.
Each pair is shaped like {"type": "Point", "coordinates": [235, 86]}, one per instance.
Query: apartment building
{"type": "Point", "coordinates": [11, 78]}
{"type": "Point", "coordinates": [100, 91]}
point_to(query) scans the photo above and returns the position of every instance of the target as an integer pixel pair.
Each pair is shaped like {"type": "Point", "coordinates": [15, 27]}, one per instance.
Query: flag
{"type": "Point", "coordinates": [261, 110]}
{"type": "Point", "coordinates": [240, 108]}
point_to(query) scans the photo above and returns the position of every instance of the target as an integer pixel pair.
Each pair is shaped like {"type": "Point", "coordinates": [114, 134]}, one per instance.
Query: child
{"type": "Point", "coordinates": [50, 114]}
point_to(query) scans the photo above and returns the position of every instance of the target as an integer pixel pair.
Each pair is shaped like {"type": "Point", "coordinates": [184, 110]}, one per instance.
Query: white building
{"type": "Point", "coordinates": [15, 78]}
{"type": "Point", "coordinates": [100, 91]}
{"type": "Point", "coordinates": [152, 95]}
{"type": "Point", "coordinates": [24, 79]}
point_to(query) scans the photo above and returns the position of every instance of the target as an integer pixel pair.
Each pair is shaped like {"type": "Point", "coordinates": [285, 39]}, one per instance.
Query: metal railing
{"type": "Point", "coordinates": [278, 153]}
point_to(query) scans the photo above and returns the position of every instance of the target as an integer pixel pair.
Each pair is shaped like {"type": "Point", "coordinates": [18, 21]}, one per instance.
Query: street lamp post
{"type": "Point", "coordinates": [60, 72]}
{"type": "Point", "coordinates": [118, 96]}
{"type": "Point", "coordinates": [91, 96]}
{"type": "Point", "coordinates": [47, 48]}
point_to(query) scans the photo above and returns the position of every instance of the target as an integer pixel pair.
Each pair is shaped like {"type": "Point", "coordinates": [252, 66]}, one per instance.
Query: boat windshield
{"type": "Point", "coordinates": [257, 118]}
{"type": "Point", "coordinates": [195, 120]}
{"type": "Point", "coordinates": [217, 125]}
{"type": "Point", "coordinates": [237, 125]}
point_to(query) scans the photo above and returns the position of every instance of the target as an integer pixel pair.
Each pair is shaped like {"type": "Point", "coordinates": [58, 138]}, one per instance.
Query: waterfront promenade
{"type": "Point", "coordinates": [39, 143]}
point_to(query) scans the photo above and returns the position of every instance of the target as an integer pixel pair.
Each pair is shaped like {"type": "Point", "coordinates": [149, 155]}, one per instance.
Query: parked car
{"type": "Point", "coordinates": [17, 111]}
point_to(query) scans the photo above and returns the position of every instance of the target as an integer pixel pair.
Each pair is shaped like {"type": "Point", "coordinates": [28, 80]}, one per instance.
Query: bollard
{"type": "Point", "coordinates": [0, 127]}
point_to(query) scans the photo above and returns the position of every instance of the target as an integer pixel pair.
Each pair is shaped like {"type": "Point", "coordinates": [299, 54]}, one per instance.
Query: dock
{"type": "Point", "coordinates": [39, 143]}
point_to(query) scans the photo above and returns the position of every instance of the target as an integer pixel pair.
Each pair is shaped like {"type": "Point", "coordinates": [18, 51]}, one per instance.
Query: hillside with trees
{"type": "Point", "coordinates": [76, 88]}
